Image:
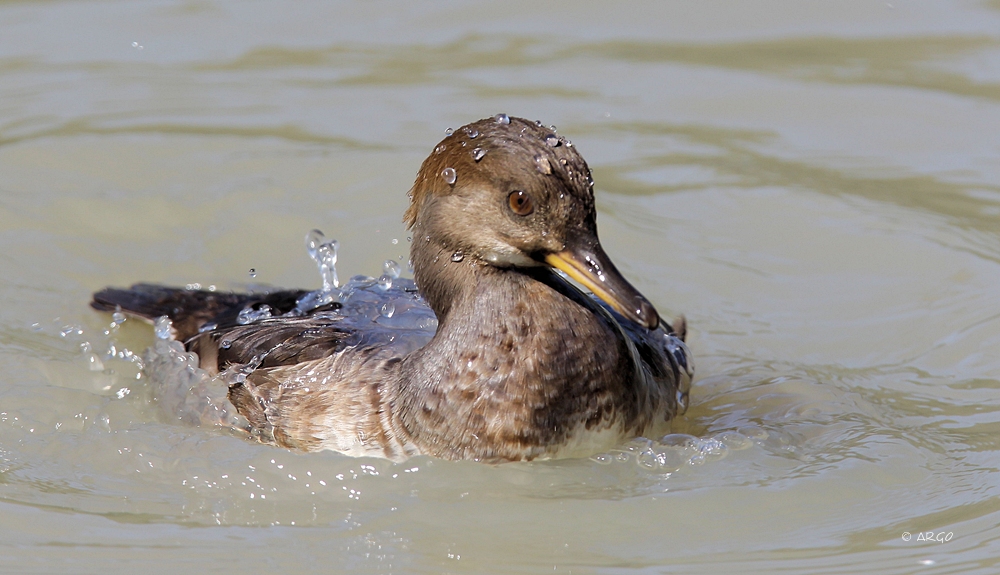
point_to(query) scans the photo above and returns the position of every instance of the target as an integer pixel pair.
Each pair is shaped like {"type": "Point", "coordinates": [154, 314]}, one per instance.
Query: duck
{"type": "Point", "coordinates": [523, 364]}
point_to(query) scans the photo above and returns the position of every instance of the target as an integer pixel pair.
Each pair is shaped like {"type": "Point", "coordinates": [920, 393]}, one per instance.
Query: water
{"type": "Point", "coordinates": [814, 186]}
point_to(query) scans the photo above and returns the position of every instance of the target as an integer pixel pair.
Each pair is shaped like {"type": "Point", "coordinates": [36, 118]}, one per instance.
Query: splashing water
{"type": "Point", "coordinates": [162, 327]}
{"type": "Point", "coordinates": [250, 315]}
{"type": "Point", "coordinates": [324, 253]}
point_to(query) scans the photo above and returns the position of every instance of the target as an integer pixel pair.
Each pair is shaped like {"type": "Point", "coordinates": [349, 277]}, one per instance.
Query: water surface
{"type": "Point", "coordinates": [815, 186]}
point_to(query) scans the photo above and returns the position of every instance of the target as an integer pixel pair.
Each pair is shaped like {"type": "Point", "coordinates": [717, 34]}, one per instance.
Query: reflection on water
{"type": "Point", "coordinates": [816, 188]}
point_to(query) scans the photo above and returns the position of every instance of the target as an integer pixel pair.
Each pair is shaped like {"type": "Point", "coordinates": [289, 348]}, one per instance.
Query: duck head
{"type": "Point", "coordinates": [506, 193]}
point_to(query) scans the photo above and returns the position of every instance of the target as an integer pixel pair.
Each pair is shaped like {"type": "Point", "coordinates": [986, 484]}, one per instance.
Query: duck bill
{"type": "Point", "coordinates": [592, 268]}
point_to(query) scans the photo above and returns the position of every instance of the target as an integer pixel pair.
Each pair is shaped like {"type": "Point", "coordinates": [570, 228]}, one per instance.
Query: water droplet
{"type": "Point", "coordinates": [449, 175]}
{"type": "Point", "coordinates": [552, 140]}
{"type": "Point", "coordinates": [440, 148]}
{"type": "Point", "coordinates": [449, 132]}
{"type": "Point", "coordinates": [502, 119]}
{"type": "Point", "coordinates": [250, 315]}
{"type": "Point", "coordinates": [385, 282]}
{"type": "Point", "coordinates": [543, 165]}
{"type": "Point", "coordinates": [538, 123]}
{"type": "Point", "coordinates": [478, 154]}
{"type": "Point", "coordinates": [569, 144]}
{"type": "Point", "coordinates": [553, 128]}
{"type": "Point", "coordinates": [324, 253]}
{"type": "Point", "coordinates": [472, 132]}
{"type": "Point", "coordinates": [162, 327]}
{"type": "Point", "coordinates": [457, 256]}
{"type": "Point", "coordinates": [391, 268]}
{"type": "Point", "coordinates": [395, 241]}
{"type": "Point", "coordinates": [225, 344]}
{"type": "Point", "coordinates": [118, 317]}
{"type": "Point", "coordinates": [207, 327]}
{"type": "Point", "coordinates": [387, 309]}
{"type": "Point", "coordinates": [253, 272]}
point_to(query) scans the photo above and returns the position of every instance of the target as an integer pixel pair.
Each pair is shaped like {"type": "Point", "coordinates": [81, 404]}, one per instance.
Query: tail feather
{"type": "Point", "coordinates": [189, 310]}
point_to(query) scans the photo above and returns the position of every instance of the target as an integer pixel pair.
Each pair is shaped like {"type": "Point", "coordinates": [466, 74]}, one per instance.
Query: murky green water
{"type": "Point", "coordinates": [816, 186]}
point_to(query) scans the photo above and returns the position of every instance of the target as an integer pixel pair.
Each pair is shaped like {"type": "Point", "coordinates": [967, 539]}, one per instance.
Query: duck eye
{"type": "Point", "coordinates": [520, 203]}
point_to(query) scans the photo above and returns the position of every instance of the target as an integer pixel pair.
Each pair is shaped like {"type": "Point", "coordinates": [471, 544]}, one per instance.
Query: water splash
{"type": "Point", "coordinates": [675, 451]}
{"type": "Point", "coordinates": [163, 327]}
{"type": "Point", "coordinates": [324, 253]}
{"type": "Point", "coordinates": [391, 268]}
{"type": "Point", "coordinates": [250, 315]}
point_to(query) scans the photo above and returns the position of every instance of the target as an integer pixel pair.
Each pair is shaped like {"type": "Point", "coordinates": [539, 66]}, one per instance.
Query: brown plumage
{"type": "Point", "coordinates": [522, 366]}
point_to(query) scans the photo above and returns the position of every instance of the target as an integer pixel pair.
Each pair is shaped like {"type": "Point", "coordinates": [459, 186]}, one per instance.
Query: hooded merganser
{"type": "Point", "coordinates": [522, 366]}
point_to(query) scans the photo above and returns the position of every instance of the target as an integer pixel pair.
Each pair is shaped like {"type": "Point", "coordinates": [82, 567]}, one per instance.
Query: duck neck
{"type": "Point", "coordinates": [520, 359]}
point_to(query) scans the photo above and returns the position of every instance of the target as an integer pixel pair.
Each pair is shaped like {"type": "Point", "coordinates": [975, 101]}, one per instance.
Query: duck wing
{"type": "Point", "coordinates": [190, 311]}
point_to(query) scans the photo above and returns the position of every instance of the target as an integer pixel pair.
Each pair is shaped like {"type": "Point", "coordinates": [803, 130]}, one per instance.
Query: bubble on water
{"type": "Point", "coordinates": [162, 327]}
{"type": "Point", "coordinates": [502, 119]}
{"type": "Point", "coordinates": [449, 175]}
{"type": "Point", "coordinates": [391, 268]}
{"type": "Point", "coordinates": [478, 154]}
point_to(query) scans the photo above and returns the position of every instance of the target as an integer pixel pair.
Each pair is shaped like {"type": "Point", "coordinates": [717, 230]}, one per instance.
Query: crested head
{"type": "Point", "coordinates": [463, 192]}
{"type": "Point", "coordinates": [508, 193]}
